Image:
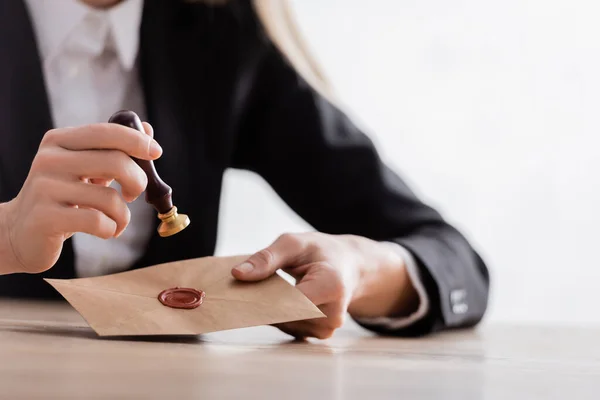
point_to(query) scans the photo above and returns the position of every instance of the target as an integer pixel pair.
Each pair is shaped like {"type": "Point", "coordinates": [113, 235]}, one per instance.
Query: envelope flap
{"type": "Point", "coordinates": [100, 307]}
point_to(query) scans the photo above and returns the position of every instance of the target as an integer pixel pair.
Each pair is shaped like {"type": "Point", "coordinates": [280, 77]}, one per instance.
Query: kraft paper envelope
{"type": "Point", "coordinates": [126, 304]}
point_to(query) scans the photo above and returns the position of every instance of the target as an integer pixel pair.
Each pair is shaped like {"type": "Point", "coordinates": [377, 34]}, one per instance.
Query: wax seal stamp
{"type": "Point", "coordinates": [186, 298]}
{"type": "Point", "coordinates": [158, 193]}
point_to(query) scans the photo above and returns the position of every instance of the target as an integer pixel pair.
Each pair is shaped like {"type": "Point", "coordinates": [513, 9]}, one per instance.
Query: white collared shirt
{"type": "Point", "coordinates": [89, 62]}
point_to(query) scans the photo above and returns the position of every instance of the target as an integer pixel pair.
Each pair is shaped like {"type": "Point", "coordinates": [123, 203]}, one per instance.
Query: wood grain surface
{"type": "Point", "coordinates": [47, 351]}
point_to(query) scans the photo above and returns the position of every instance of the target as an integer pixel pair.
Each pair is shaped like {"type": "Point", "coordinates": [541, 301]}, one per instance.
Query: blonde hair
{"type": "Point", "coordinates": [280, 25]}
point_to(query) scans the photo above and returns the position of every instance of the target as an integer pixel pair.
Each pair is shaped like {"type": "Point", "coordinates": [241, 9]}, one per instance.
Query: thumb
{"type": "Point", "coordinates": [284, 252]}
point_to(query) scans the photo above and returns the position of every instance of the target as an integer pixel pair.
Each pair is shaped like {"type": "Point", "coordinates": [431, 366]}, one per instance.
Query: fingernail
{"type": "Point", "coordinates": [155, 149]}
{"type": "Point", "coordinates": [149, 130]}
{"type": "Point", "coordinates": [245, 268]}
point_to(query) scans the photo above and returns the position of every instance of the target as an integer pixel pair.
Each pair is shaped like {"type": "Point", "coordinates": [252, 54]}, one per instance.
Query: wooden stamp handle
{"type": "Point", "coordinates": [158, 193]}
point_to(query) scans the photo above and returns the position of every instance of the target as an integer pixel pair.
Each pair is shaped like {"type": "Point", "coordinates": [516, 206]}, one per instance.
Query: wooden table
{"type": "Point", "coordinates": [47, 351]}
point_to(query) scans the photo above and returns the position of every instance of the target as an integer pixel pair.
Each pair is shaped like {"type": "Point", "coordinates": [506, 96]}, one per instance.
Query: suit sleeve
{"type": "Point", "coordinates": [330, 173]}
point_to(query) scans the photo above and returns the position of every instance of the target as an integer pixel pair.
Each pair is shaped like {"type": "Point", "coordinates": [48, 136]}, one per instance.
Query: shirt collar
{"type": "Point", "coordinates": [125, 20]}
{"type": "Point", "coordinates": [54, 20]}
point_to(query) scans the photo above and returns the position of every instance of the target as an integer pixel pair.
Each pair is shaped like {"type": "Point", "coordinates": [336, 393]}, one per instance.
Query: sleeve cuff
{"type": "Point", "coordinates": [391, 323]}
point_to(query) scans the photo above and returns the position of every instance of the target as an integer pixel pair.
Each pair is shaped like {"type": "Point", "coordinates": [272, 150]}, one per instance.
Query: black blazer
{"type": "Point", "coordinates": [219, 96]}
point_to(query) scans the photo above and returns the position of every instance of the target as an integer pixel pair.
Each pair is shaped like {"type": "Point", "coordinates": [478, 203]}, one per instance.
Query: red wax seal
{"type": "Point", "coordinates": [186, 298]}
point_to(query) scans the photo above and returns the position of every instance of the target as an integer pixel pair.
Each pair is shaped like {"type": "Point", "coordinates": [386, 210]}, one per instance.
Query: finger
{"type": "Point", "coordinates": [85, 196]}
{"type": "Point", "coordinates": [297, 330]}
{"type": "Point", "coordinates": [101, 181]}
{"type": "Point", "coordinates": [148, 129]}
{"type": "Point", "coordinates": [322, 328]}
{"type": "Point", "coordinates": [100, 164]}
{"type": "Point", "coordinates": [322, 284]}
{"type": "Point", "coordinates": [69, 219]}
{"type": "Point", "coordinates": [106, 137]}
{"type": "Point", "coordinates": [305, 329]}
{"type": "Point", "coordinates": [286, 251]}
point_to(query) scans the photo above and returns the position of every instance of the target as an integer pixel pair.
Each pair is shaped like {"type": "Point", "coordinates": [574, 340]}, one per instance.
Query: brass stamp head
{"type": "Point", "coordinates": [172, 222]}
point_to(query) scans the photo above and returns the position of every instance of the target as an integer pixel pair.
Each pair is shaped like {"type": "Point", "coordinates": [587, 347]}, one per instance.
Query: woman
{"type": "Point", "coordinates": [225, 84]}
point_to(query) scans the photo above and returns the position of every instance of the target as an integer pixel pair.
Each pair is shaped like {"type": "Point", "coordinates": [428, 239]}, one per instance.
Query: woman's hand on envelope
{"type": "Point", "coordinates": [339, 274]}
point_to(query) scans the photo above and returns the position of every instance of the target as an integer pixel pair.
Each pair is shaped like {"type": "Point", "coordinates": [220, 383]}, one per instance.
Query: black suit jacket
{"type": "Point", "coordinates": [219, 96]}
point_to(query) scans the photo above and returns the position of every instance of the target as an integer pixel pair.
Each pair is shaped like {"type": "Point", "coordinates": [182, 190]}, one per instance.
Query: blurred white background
{"type": "Point", "coordinates": [490, 109]}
